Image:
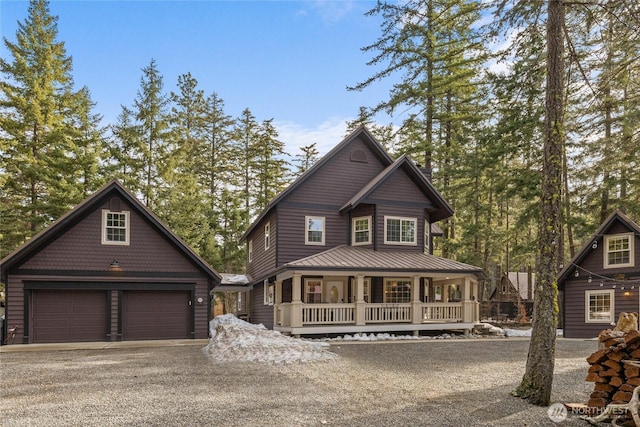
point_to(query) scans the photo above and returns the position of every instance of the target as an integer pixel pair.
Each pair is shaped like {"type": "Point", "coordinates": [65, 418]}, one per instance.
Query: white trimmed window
{"type": "Point", "coordinates": [250, 251]}
{"type": "Point", "coordinates": [314, 232]}
{"type": "Point", "coordinates": [397, 290]}
{"type": "Point", "coordinates": [312, 290]}
{"type": "Point", "coordinates": [366, 290]}
{"type": "Point", "coordinates": [599, 307]}
{"type": "Point", "coordinates": [267, 236]}
{"type": "Point", "coordinates": [361, 230]}
{"type": "Point", "coordinates": [269, 292]}
{"type": "Point", "coordinates": [115, 228]}
{"type": "Point", "coordinates": [399, 231]}
{"type": "Point", "coordinates": [618, 251]}
{"type": "Point", "coordinates": [427, 237]}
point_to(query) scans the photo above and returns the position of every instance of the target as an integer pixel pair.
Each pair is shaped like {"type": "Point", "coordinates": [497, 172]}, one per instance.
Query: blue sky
{"type": "Point", "coordinates": [286, 60]}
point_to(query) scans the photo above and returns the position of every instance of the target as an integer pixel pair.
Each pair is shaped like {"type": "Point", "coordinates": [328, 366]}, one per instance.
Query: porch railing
{"type": "Point", "coordinates": [314, 314]}
{"type": "Point", "coordinates": [441, 311]}
{"type": "Point", "coordinates": [384, 313]}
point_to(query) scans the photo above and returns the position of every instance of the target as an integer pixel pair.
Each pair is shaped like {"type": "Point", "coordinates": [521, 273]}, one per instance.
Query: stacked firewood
{"type": "Point", "coordinates": [615, 368]}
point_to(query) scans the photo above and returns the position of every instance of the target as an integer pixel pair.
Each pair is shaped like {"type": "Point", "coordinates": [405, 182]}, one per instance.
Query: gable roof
{"type": "Point", "coordinates": [347, 257]}
{"type": "Point", "coordinates": [443, 209]}
{"type": "Point", "coordinates": [361, 131]}
{"type": "Point", "coordinates": [615, 216]}
{"type": "Point", "coordinates": [58, 227]}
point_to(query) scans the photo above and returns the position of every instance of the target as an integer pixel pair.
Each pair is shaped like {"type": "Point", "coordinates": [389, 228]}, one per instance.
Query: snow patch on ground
{"type": "Point", "coordinates": [234, 340]}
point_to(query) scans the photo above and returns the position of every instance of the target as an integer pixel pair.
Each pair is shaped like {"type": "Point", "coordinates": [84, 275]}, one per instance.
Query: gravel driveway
{"type": "Point", "coordinates": [423, 383]}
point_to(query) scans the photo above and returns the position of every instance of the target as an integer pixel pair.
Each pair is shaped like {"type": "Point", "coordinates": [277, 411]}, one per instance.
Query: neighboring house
{"type": "Point", "coordinates": [515, 287]}
{"type": "Point", "coordinates": [603, 279]}
{"type": "Point", "coordinates": [108, 270]}
{"type": "Point", "coordinates": [347, 248]}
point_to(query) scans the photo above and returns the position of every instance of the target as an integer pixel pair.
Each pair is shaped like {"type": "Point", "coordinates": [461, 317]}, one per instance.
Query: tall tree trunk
{"type": "Point", "coordinates": [538, 378]}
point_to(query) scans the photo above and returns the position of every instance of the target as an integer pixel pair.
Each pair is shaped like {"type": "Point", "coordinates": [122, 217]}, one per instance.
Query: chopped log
{"type": "Point", "coordinates": [631, 371]}
{"type": "Point", "coordinates": [616, 381]}
{"type": "Point", "coordinates": [624, 387]}
{"type": "Point", "coordinates": [605, 387]}
{"type": "Point", "coordinates": [613, 341]}
{"type": "Point", "coordinates": [598, 356]}
{"type": "Point", "coordinates": [635, 354]}
{"type": "Point", "coordinates": [608, 373]}
{"type": "Point", "coordinates": [633, 381]}
{"type": "Point", "coordinates": [622, 396]}
{"type": "Point", "coordinates": [616, 366]}
{"type": "Point", "coordinates": [618, 356]}
{"type": "Point", "coordinates": [595, 378]}
{"type": "Point", "coordinates": [596, 394]}
{"type": "Point", "coordinates": [597, 402]}
{"type": "Point", "coordinates": [595, 368]}
{"type": "Point", "coordinates": [632, 337]}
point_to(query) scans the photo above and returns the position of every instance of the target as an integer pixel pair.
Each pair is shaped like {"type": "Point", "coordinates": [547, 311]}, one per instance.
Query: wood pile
{"type": "Point", "coordinates": [614, 368]}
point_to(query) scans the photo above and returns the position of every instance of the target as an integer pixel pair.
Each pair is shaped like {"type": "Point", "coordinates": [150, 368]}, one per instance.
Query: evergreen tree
{"type": "Point", "coordinates": [38, 112]}
{"type": "Point", "coordinates": [271, 168]}
{"type": "Point", "coordinates": [246, 133]}
{"type": "Point", "coordinates": [307, 158]}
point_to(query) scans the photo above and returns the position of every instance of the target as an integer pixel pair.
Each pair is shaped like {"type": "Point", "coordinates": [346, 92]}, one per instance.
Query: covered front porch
{"type": "Point", "coordinates": [323, 302]}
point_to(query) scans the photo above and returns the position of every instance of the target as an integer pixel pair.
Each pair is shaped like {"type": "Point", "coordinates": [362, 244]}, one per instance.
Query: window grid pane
{"type": "Point", "coordinates": [314, 230]}
{"type": "Point", "coordinates": [397, 291]}
{"type": "Point", "coordinates": [361, 230]}
{"type": "Point", "coordinates": [600, 306]}
{"type": "Point", "coordinates": [618, 251]}
{"type": "Point", "coordinates": [116, 227]}
{"type": "Point", "coordinates": [393, 230]}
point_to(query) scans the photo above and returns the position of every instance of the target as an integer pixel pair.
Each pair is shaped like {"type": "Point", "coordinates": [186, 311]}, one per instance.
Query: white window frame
{"type": "Point", "coordinates": [306, 289]}
{"type": "Point", "coordinates": [606, 251]}
{"type": "Point", "coordinates": [396, 279]}
{"type": "Point", "coordinates": [250, 251]}
{"type": "Point", "coordinates": [401, 219]}
{"type": "Point", "coordinates": [127, 229]}
{"type": "Point", "coordinates": [353, 230]}
{"type": "Point", "coordinates": [267, 236]}
{"type": "Point", "coordinates": [612, 308]}
{"type": "Point", "coordinates": [427, 237]}
{"type": "Point", "coordinates": [306, 230]}
{"type": "Point", "coordinates": [269, 290]}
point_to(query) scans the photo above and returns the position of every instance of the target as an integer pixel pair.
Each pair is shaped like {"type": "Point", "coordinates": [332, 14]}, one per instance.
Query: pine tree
{"type": "Point", "coordinates": [271, 167]}
{"type": "Point", "coordinates": [38, 112]}
{"type": "Point", "coordinates": [304, 160]}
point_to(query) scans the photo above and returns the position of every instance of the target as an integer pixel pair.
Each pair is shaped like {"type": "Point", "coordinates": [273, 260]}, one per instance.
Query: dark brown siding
{"type": "Point", "coordinates": [574, 295]}
{"type": "Point", "coordinates": [80, 248]}
{"type": "Point", "coordinates": [263, 261]}
{"type": "Point", "coordinates": [339, 179]}
{"type": "Point", "coordinates": [291, 232]}
{"type": "Point", "coordinates": [260, 313]}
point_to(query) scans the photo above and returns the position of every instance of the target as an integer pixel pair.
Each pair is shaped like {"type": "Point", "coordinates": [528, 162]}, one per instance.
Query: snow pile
{"type": "Point", "coordinates": [517, 332]}
{"type": "Point", "coordinates": [234, 340]}
{"type": "Point", "coordinates": [390, 337]}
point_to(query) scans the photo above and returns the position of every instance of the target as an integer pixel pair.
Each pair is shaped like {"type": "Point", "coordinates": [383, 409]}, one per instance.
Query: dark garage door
{"type": "Point", "coordinates": [156, 315]}
{"type": "Point", "coordinates": [68, 316]}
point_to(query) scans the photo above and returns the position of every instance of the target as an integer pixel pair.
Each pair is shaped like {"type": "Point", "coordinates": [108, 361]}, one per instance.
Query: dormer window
{"type": "Point", "coordinates": [361, 231]}
{"type": "Point", "coordinates": [399, 231]}
{"type": "Point", "coordinates": [618, 251]}
{"type": "Point", "coordinates": [115, 228]}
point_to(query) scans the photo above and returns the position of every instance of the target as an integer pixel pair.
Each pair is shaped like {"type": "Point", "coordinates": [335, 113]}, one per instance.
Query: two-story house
{"type": "Point", "coordinates": [347, 248]}
{"type": "Point", "coordinates": [603, 278]}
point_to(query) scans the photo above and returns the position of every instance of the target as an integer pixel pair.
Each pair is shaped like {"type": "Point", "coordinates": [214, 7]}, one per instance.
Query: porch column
{"type": "Point", "coordinates": [416, 305]}
{"type": "Point", "coordinates": [360, 304]}
{"type": "Point", "coordinates": [277, 314]}
{"type": "Point", "coordinates": [296, 301]}
{"type": "Point", "coordinates": [469, 312]}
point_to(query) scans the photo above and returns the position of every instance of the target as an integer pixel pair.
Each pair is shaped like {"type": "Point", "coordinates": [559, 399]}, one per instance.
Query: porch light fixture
{"type": "Point", "coordinates": [627, 294]}
{"type": "Point", "coordinates": [114, 267]}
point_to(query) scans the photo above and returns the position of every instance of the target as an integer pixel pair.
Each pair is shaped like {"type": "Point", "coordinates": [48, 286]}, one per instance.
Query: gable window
{"type": "Point", "coordinates": [250, 251]}
{"type": "Point", "coordinates": [361, 230]}
{"type": "Point", "coordinates": [267, 236]}
{"type": "Point", "coordinates": [618, 251]}
{"type": "Point", "coordinates": [312, 290]}
{"type": "Point", "coordinates": [314, 230]}
{"type": "Point", "coordinates": [115, 228]}
{"type": "Point", "coordinates": [599, 306]}
{"type": "Point", "coordinates": [399, 231]}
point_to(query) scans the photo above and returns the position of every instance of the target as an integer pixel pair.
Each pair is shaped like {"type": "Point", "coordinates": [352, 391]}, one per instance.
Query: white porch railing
{"type": "Point", "coordinates": [386, 313]}
{"type": "Point", "coordinates": [335, 314]}
{"type": "Point", "coordinates": [315, 314]}
{"type": "Point", "coordinates": [441, 311]}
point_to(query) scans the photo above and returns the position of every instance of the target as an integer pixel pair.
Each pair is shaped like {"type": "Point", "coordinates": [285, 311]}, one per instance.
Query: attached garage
{"type": "Point", "coordinates": [156, 315]}
{"type": "Point", "coordinates": [69, 315]}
